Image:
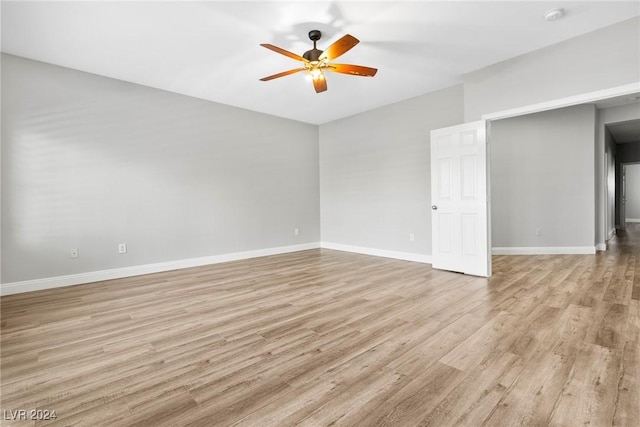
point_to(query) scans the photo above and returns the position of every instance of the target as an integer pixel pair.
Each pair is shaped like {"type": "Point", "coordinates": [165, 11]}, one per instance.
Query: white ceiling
{"type": "Point", "coordinates": [210, 49]}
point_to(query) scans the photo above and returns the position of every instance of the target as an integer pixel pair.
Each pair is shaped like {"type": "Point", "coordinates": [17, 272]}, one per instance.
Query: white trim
{"type": "Point", "coordinates": [601, 247]}
{"type": "Point", "coordinates": [632, 220]}
{"type": "Point", "coordinates": [583, 98]}
{"type": "Point", "coordinates": [138, 270]}
{"type": "Point", "coordinates": [612, 233]}
{"type": "Point", "coordinates": [406, 256]}
{"type": "Point", "coordinates": [560, 250]}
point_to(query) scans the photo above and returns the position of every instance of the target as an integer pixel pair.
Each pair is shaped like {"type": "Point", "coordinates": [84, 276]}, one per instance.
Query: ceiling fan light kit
{"type": "Point", "coordinates": [315, 61]}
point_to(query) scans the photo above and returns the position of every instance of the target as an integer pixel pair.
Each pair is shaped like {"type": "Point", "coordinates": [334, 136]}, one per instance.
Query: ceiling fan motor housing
{"type": "Point", "coordinates": [312, 55]}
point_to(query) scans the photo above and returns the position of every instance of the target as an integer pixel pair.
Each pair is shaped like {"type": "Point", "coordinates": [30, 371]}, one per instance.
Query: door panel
{"type": "Point", "coordinates": [459, 199]}
{"type": "Point", "coordinates": [445, 233]}
{"type": "Point", "coordinates": [469, 172]}
{"type": "Point", "coordinates": [469, 232]}
{"type": "Point", "coordinates": [445, 190]}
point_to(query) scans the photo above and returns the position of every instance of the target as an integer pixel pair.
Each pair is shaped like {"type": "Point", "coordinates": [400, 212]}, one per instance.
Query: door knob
{"type": "Point", "coordinates": [434, 207]}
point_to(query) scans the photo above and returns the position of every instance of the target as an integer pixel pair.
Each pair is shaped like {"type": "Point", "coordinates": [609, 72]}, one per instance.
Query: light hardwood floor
{"type": "Point", "coordinates": [323, 337]}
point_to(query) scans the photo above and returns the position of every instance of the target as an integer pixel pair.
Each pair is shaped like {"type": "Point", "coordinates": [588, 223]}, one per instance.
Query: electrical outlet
{"type": "Point", "coordinates": [412, 237]}
{"type": "Point", "coordinates": [73, 253]}
{"type": "Point", "coordinates": [122, 248]}
{"type": "Point", "coordinates": [296, 231]}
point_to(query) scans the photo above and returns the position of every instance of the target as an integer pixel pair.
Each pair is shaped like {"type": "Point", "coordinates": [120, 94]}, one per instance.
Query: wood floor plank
{"type": "Point", "coordinates": [627, 409]}
{"type": "Point", "coordinates": [532, 398]}
{"type": "Point", "coordinates": [473, 400]}
{"type": "Point", "coordinates": [323, 337]}
{"type": "Point", "coordinates": [590, 393]}
{"type": "Point", "coordinates": [408, 405]}
{"type": "Point", "coordinates": [470, 352]}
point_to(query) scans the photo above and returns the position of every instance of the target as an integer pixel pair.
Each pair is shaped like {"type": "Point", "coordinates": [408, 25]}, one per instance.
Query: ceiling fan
{"type": "Point", "coordinates": [315, 61]}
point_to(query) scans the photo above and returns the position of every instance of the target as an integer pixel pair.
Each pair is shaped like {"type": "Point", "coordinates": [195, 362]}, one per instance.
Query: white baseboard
{"type": "Point", "coordinates": [406, 256]}
{"type": "Point", "coordinates": [632, 220]}
{"type": "Point", "coordinates": [560, 250]}
{"type": "Point", "coordinates": [601, 247]}
{"type": "Point", "coordinates": [138, 270]}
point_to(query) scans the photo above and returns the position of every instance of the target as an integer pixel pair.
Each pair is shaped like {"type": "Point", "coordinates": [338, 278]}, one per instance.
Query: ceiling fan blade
{"type": "Point", "coordinates": [339, 47]}
{"type": "Point", "coordinates": [284, 52]}
{"type": "Point", "coordinates": [355, 70]}
{"type": "Point", "coordinates": [320, 84]}
{"type": "Point", "coordinates": [282, 74]}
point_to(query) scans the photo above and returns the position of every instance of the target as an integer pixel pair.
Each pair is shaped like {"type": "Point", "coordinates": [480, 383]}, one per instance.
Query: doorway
{"type": "Point", "coordinates": [630, 194]}
{"type": "Point", "coordinates": [623, 138]}
{"type": "Point", "coordinates": [600, 195]}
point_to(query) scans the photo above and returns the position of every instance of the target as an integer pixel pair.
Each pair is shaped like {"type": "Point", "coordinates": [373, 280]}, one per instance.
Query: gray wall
{"type": "Point", "coordinates": [89, 162]}
{"type": "Point", "coordinates": [633, 192]}
{"type": "Point", "coordinates": [598, 60]}
{"type": "Point", "coordinates": [375, 173]}
{"type": "Point", "coordinates": [542, 176]}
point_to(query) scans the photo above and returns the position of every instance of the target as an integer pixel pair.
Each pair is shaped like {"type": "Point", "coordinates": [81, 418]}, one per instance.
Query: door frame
{"type": "Point", "coordinates": [623, 196]}
{"type": "Point", "coordinates": [606, 194]}
{"type": "Point", "coordinates": [584, 98]}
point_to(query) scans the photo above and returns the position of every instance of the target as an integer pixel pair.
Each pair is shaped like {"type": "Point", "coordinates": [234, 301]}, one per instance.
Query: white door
{"type": "Point", "coordinates": [460, 213]}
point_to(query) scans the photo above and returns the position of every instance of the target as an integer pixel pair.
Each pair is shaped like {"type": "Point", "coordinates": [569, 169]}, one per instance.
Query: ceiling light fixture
{"type": "Point", "coordinates": [553, 14]}
{"type": "Point", "coordinates": [315, 61]}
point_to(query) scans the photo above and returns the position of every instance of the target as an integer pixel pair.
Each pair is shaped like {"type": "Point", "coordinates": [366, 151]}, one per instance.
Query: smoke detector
{"type": "Point", "coordinates": [553, 14]}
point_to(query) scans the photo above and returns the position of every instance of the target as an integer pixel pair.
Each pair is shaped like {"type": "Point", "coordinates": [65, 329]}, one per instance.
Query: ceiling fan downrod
{"type": "Point", "coordinates": [313, 54]}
